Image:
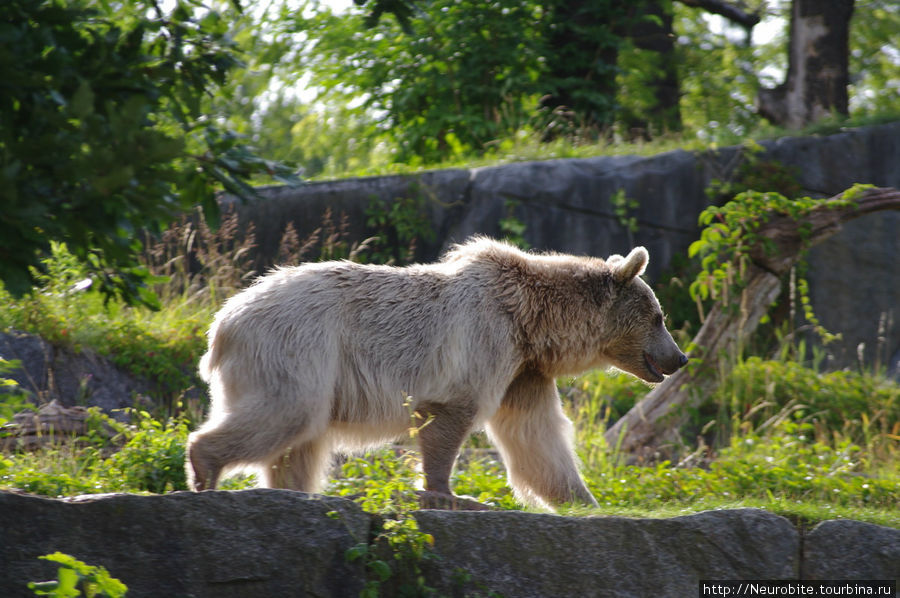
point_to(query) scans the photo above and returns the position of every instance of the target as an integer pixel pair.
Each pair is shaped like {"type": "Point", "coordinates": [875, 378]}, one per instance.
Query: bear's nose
{"type": "Point", "coordinates": [683, 360]}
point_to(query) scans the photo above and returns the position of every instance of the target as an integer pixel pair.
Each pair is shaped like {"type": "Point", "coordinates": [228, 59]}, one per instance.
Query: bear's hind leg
{"type": "Point", "coordinates": [237, 439]}
{"type": "Point", "coordinates": [202, 468]}
{"type": "Point", "coordinates": [535, 440]}
{"type": "Point", "coordinates": [303, 467]}
{"type": "Point", "coordinates": [440, 439]}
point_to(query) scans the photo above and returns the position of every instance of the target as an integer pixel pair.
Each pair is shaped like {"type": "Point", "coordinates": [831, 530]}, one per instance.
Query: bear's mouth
{"type": "Point", "coordinates": [653, 368]}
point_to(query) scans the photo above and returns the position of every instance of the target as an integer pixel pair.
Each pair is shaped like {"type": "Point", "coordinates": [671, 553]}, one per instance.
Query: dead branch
{"type": "Point", "coordinates": [732, 12]}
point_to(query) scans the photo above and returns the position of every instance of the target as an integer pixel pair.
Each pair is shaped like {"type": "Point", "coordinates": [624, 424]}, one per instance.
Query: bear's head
{"type": "Point", "coordinates": [639, 342]}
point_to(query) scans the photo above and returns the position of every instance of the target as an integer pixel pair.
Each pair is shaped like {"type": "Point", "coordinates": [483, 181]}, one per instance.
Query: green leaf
{"type": "Point", "coordinates": [82, 103]}
{"type": "Point", "coordinates": [696, 247]}
{"type": "Point", "coordinates": [356, 552]}
{"type": "Point", "coordinates": [381, 570]}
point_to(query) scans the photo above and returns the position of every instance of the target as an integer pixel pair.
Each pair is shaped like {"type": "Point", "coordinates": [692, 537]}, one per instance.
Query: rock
{"type": "Point", "coordinates": [216, 544]}
{"type": "Point", "coordinates": [50, 373]}
{"type": "Point", "coordinates": [283, 543]}
{"type": "Point", "coordinates": [855, 291]}
{"type": "Point", "coordinates": [52, 423]}
{"type": "Point", "coordinates": [854, 287]}
{"type": "Point", "coordinates": [568, 205]}
{"type": "Point", "coordinates": [842, 549]}
{"type": "Point", "coordinates": [348, 199]}
{"type": "Point", "coordinates": [528, 555]}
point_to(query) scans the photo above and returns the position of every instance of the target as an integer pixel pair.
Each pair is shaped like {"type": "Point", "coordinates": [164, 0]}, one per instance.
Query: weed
{"type": "Point", "coordinates": [512, 229]}
{"type": "Point", "coordinates": [398, 227]}
{"type": "Point", "coordinates": [385, 482]}
{"type": "Point", "coordinates": [75, 578]}
{"type": "Point", "coordinates": [623, 208]}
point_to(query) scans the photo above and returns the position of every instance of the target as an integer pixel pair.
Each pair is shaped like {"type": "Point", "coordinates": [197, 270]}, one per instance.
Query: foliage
{"type": "Point", "coordinates": [623, 209]}
{"type": "Point", "coordinates": [12, 398]}
{"type": "Point", "coordinates": [718, 76]}
{"type": "Point", "coordinates": [153, 458]}
{"type": "Point", "coordinates": [147, 456]}
{"type": "Point", "coordinates": [864, 410]}
{"type": "Point", "coordinates": [395, 555]}
{"type": "Point", "coordinates": [459, 78]}
{"type": "Point", "coordinates": [384, 482]}
{"type": "Point", "coordinates": [874, 64]}
{"type": "Point", "coordinates": [780, 436]}
{"type": "Point", "coordinates": [75, 578]}
{"type": "Point", "coordinates": [106, 132]}
{"type": "Point", "coordinates": [785, 466]}
{"type": "Point", "coordinates": [467, 82]}
{"type": "Point", "coordinates": [753, 173]}
{"type": "Point", "coordinates": [398, 225]}
{"type": "Point", "coordinates": [67, 315]}
{"type": "Point", "coordinates": [512, 229]}
{"type": "Point", "coordinates": [730, 234]}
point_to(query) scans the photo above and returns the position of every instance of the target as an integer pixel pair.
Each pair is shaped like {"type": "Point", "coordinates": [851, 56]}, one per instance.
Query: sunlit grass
{"type": "Point", "coordinates": [527, 145]}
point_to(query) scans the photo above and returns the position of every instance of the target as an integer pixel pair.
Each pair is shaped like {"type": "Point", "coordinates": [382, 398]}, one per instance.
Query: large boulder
{"type": "Point", "coordinates": [529, 555]}
{"type": "Point", "coordinates": [842, 549]}
{"type": "Point", "coordinates": [215, 544]}
{"type": "Point", "coordinates": [50, 373]}
{"type": "Point", "coordinates": [283, 543]}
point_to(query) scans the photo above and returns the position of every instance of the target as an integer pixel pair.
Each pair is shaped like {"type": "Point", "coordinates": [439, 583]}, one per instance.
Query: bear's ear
{"type": "Point", "coordinates": [627, 268]}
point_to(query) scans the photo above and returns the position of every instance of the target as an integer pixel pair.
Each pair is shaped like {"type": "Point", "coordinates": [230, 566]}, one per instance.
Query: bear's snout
{"type": "Point", "coordinates": [670, 366]}
{"type": "Point", "coordinates": [658, 367]}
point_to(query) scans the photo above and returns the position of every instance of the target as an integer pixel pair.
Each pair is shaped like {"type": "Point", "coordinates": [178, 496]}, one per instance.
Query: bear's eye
{"type": "Point", "coordinates": [658, 320]}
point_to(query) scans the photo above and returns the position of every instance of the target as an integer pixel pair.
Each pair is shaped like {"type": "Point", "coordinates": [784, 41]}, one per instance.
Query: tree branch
{"type": "Point", "coordinates": [731, 12]}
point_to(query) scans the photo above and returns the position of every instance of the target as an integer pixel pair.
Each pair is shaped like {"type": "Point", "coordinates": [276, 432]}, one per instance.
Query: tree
{"type": "Point", "coordinates": [818, 71]}
{"type": "Point", "coordinates": [579, 81]}
{"type": "Point", "coordinates": [650, 57]}
{"type": "Point", "coordinates": [105, 131]}
{"type": "Point", "coordinates": [458, 77]}
{"type": "Point", "coordinates": [455, 78]}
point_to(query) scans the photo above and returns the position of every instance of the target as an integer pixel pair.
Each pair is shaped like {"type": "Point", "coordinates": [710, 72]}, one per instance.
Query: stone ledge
{"type": "Point", "coordinates": [284, 543]}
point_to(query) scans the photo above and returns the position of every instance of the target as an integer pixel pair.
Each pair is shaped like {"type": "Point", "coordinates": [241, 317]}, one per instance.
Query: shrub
{"type": "Point", "coordinates": [153, 458]}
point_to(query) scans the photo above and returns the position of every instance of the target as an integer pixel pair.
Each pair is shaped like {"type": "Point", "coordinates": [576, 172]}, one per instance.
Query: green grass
{"type": "Point", "coordinates": [526, 145]}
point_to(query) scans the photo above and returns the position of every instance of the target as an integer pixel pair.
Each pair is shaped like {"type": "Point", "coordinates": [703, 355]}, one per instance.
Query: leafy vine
{"type": "Point", "coordinates": [730, 232]}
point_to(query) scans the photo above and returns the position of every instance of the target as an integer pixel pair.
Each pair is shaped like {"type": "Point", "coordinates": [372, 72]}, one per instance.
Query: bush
{"type": "Point", "coordinates": [153, 458]}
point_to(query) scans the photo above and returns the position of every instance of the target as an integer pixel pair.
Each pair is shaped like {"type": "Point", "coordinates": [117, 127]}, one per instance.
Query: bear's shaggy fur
{"type": "Point", "coordinates": [334, 356]}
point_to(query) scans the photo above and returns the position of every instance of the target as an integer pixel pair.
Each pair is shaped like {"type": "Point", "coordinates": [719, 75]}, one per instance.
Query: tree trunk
{"type": "Point", "coordinates": [818, 71]}
{"type": "Point", "coordinates": [650, 28]}
{"type": "Point", "coordinates": [655, 420]}
{"type": "Point", "coordinates": [580, 85]}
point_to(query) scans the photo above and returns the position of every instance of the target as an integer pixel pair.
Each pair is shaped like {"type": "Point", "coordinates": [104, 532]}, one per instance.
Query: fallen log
{"type": "Point", "coordinates": [777, 240]}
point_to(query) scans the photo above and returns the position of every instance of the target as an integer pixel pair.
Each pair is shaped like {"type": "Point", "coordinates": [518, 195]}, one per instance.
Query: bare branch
{"type": "Point", "coordinates": [728, 10]}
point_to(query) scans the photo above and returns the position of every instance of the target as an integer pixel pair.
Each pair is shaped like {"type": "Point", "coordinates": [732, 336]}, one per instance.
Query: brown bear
{"type": "Point", "coordinates": [334, 356]}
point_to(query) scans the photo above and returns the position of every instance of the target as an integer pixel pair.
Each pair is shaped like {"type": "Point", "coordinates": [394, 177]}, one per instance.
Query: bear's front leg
{"type": "Point", "coordinates": [535, 440]}
{"type": "Point", "coordinates": [444, 427]}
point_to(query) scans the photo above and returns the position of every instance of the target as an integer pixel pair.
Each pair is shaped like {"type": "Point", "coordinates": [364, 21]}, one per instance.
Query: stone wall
{"type": "Point", "coordinates": [282, 543]}
{"type": "Point", "coordinates": [568, 205]}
